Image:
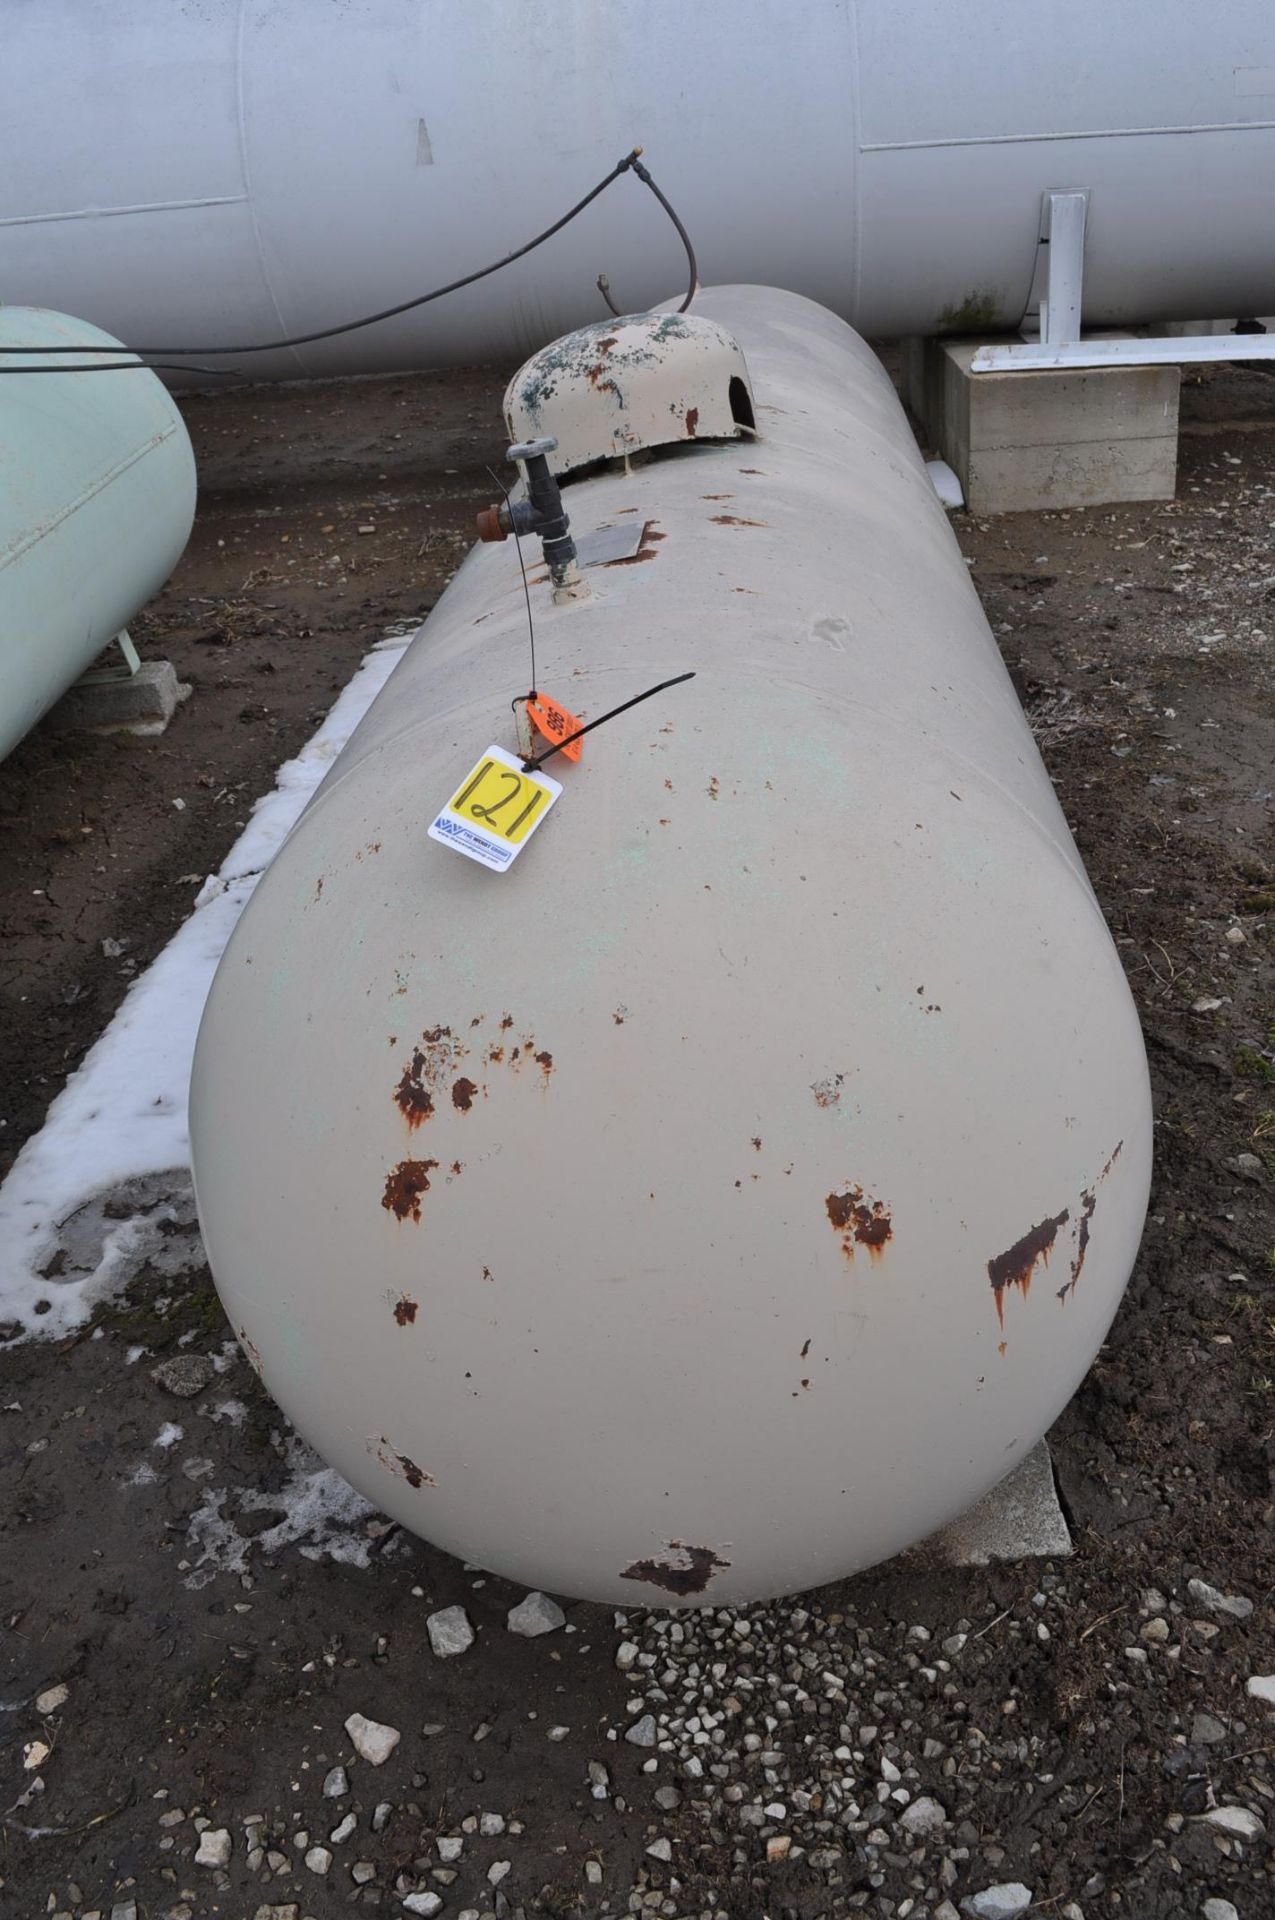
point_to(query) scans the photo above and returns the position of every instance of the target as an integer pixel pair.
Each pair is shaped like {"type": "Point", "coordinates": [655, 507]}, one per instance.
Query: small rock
{"type": "Point", "coordinates": [450, 1846]}
{"type": "Point", "coordinates": [362, 1872]}
{"type": "Point", "coordinates": [1205, 1004]}
{"type": "Point", "coordinates": [51, 1699]}
{"type": "Point", "coordinates": [1155, 1630]}
{"type": "Point", "coordinates": [214, 1848]}
{"type": "Point", "coordinates": [778, 1847]}
{"type": "Point", "coordinates": [337, 1783]}
{"type": "Point", "coordinates": [1000, 1903]}
{"type": "Point", "coordinates": [185, 1375]}
{"type": "Point", "coordinates": [924, 1816]}
{"type": "Point", "coordinates": [661, 1849]}
{"type": "Point", "coordinates": [318, 1859]}
{"type": "Point", "coordinates": [535, 1615]}
{"type": "Point", "coordinates": [1249, 1165]}
{"type": "Point", "coordinates": [668, 1799]}
{"type": "Point", "coordinates": [371, 1740]}
{"type": "Point", "coordinates": [497, 1871]}
{"type": "Point", "coordinates": [642, 1733]}
{"type": "Point", "coordinates": [1235, 936]}
{"type": "Point", "coordinates": [450, 1632]}
{"type": "Point", "coordinates": [599, 1780]}
{"type": "Point", "coordinates": [1206, 1731]}
{"type": "Point", "coordinates": [1262, 1687]}
{"type": "Point", "coordinates": [557, 1733]}
{"type": "Point", "coordinates": [426, 1903]}
{"type": "Point", "coordinates": [491, 1824]}
{"type": "Point", "coordinates": [1219, 1910]}
{"type": "Point", "coordinates": [36, 1752]}
{"type": "Point", "coordinates": [1237, 1820]}
{"type": "Point", "coordinates": [1233, 1606]}
{"type": "Point", "coordinates": [381, 1816]}
{"type": "Point", "coordinates": [626, 1655]}
{"type": "Point", "coordinates": [593, 1872]}
{"type": "Point", "coordinates": [340, 1834]}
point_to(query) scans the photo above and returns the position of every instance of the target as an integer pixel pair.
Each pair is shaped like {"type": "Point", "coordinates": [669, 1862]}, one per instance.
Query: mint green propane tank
{"type": "Point", "coordinates": [97, 496]}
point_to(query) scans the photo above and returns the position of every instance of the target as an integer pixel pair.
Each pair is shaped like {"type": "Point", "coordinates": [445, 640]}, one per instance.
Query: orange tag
{"type": "Point", "coordinates": [555, 723]}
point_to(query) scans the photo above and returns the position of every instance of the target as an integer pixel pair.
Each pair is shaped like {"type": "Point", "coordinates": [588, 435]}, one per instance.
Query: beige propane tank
{"type": "Point", "coordinates": [733, 1188]}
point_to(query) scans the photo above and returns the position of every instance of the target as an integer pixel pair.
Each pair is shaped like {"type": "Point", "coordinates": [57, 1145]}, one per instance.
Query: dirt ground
{"type": "Point", "coordinates": [1085, 1759]}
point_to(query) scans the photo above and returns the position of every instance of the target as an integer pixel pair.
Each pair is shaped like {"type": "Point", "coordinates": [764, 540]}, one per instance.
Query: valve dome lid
{"type": "Point", "coordinates": [619, 386]}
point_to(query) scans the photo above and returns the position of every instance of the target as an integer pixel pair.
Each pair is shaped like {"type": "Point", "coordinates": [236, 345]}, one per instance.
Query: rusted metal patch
{"type": "Point", "coordinates": [463, 1091]}
{"type": "Point", "coordinates": [1014, 1267]}
{"type": "Point", "coordinates": [406, 1309]}
{"type": "Point", "coordinates": [692, 420]}
{"type": "Point", "coordinates": [735, 520]}
{"type": "Point", "coordinates": [691, 1575]}
{"type": "Point", "coordinates": [860, 1221]}
{"type": "Point", "coordinates": [434, 1059]}
{"type": "Point", "coordinates": [827, 1092]}
{"type": "Point", "coordinates": [1088, 1202]}
{"type": "Point", "coordinates": [404, 1186]}
{"type": "Point", "coordinates": [544, 1060]}
{"type": "Point", "coordinates": [645, 547]}
{"type": "Point", "coordinates": [387, 1455]}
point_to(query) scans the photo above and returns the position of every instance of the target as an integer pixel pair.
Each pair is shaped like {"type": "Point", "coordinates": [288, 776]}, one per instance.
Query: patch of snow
{"type": "Point", "coordinates": [168, 1435]}
{"type": "Point", "coordinates": [122, 1115]}
{"type": "Point", "coordinates": [232, 1410]}
{"type": "Point", "coordinates": [143, 1475]}
{"type": "Point", "coordinates": [133, 1355]}
{"type": "Point", "coordinates": [322, 1514]}
{"type": "Point", "coordinates": [945, 483]}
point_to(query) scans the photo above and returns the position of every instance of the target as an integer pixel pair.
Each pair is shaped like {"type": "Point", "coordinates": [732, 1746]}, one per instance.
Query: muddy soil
{"type": "Point", "coordinates": [1142, 641]}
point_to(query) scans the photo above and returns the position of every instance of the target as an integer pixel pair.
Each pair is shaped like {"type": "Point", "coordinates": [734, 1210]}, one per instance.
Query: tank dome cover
{"type": "Point", "coordinates": [646, 380]}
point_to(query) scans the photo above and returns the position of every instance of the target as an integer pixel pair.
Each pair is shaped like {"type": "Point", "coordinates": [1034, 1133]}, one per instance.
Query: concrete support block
{"type": "Point", "coordinates": [120, 702]}
{"type": "Point", "coordinates": [1018, 1520]}
{"type": "Point", "coordinates": [1027, 440]}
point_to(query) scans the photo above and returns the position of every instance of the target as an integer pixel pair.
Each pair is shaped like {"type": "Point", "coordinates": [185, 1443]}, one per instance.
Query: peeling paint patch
{"type": "Point", "coordinates": [860, 1221]}
{"type": "Point", "coordinates": [251, 1354]}
{"type": "Point", "coordinates": [404, 1185]}
{"type": "Point", "coordinates": [463, 1092]}
{"type": "Point", "coordinates": [691, 1574]}
{"type": "Point", "coordinates": [411, 1096]}
{"type": "Point", "coordinates": [386, 1455]}
{"type": "Point", "coordinates": [828, 1092]}
{"type": "Point", "coordinates": [406, 1309]}
{"type": "Point", "coordinates": [1014, 1267]}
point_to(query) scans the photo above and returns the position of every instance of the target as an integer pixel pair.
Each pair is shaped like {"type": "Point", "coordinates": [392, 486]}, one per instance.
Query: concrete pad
{"type": "Point", "coordinates": [121, 702]}
{"type": "Point", "coordinates": [1018, 1520]}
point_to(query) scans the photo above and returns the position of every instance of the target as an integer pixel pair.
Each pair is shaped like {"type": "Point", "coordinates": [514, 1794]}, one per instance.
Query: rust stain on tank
{"type": "Point", "coordinates": [389, 1457]}
{"type": "Point", "coordinates": [736, 520]}
{"type": "Point", "coordinates": [404, 1185]}
{"type": "Point", "coordinates": [251, 1353]}
{"type": "Point", "coordinates": [717, 496]}
{"type": "Point", "coordinates": [757, 1143]}
{"type": "Point", "coordinates": [544, 1060]}
{"type": "Point", "coordinates": [506, 1022]}
{"type": "Point", "coordinates": [828, 1092]}
{"type": "Point", "coordinates": [692, 420]}
{"type": "Point", "coordinates": [1014, 1267]}
{"type": "Point", "coordinates": [700, 1564]}
{"type": "Point", "coordinates": [712, 789]}
{"type": "Point", "coordinates": [406, 1309]}
{"type": "Point", "coordinates": [463, 1092]}
{"type": "Point", "coordinates": [412, 1096]}
{"type": "Point", "coordinates": [860, 1221]}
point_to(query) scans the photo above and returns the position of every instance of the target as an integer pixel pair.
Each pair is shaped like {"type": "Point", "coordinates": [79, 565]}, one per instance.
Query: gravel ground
{"type": "Point", "coordinates": [228, 1687]}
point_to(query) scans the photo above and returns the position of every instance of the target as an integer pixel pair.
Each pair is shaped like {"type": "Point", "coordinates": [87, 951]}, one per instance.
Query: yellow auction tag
{"type": "Point", "coordinates": [495, 811]}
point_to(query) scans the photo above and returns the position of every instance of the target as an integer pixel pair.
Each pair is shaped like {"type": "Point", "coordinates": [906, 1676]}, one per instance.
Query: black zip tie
{"type": "Point", "coordinates": [530, 765]}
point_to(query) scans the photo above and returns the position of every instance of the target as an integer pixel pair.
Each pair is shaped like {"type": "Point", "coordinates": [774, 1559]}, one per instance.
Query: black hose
{"type": "Point", "coordinates": [630, 160]}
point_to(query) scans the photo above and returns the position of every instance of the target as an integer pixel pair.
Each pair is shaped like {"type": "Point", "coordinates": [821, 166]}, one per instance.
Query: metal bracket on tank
{"type": "Point", "coordinates": [1056, 300]}
{"type": "Point", "coordinates": [1058, 281]}
{"type": "Point", "coordinates": [102, 676]}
